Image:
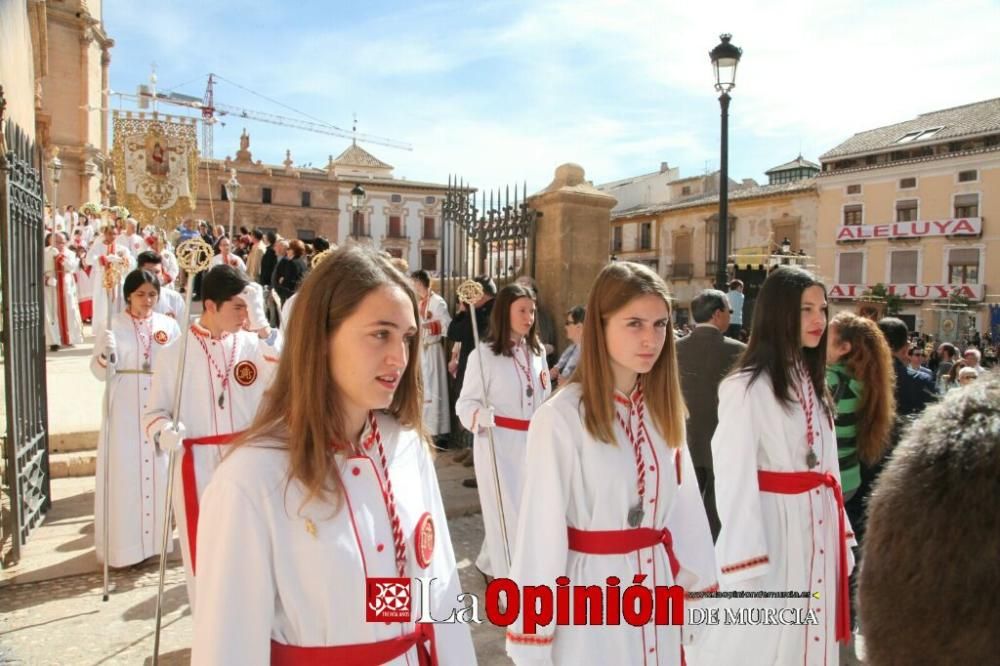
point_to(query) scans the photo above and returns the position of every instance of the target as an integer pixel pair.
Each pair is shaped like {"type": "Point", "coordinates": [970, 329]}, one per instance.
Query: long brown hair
{"type": "Point", "coordinates": [775, 345]}
{"type": "Point", "coordinates": [499, 335]}
{"type": "Point", "coordinates": [616, 285]}
{"type": "Point", "coordinates": [869, 362]}
{"type": "Point", "coordinates": [302, 407]}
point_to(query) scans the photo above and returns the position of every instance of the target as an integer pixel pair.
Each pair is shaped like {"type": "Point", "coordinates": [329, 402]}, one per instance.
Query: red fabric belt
{"type": "Point", "coordinates": [796, 483]}
{"type": "Point", "coordinates": [511, 424]}
{"type": "Point", "coordinates": [61, 305]}
{"type": "Point", "coordinates": [191, 486]}
{"type": "Point", "coordinates": [360, 654]}
{"type": "Point", "coordinates": [619, 542]}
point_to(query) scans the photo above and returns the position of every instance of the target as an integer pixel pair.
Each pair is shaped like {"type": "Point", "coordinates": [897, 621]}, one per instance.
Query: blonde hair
{"type": "Point", "coordinates": [303, 407]}
{"type": "Point", "coordinates": [614, 288]}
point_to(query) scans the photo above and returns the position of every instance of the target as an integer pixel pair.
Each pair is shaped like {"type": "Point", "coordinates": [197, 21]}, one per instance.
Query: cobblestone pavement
{"type": "Point", "coordinates": [64, 622]}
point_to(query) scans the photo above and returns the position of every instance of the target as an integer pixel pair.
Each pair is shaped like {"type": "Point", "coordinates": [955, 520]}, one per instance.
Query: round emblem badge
{"type": "Point", "coordinates": [245, 373]}
{"type": "Point", "coordinates": [160, 337]}
{"type": "Point", "coordinates": [423, 541]}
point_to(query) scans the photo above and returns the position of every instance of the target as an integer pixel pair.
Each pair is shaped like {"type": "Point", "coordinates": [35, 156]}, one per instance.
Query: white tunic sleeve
{"type": "Point", "coordinates": [235, 581]}
{"type": "Point", "coordinates": [741, 550]}
{"type": "Point", "coordinates": [473, 390]}
{"type": "Point", "coordinates": [542, 545]}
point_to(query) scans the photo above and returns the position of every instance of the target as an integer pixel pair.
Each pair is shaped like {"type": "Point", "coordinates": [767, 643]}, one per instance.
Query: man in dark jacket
{"type": "Point", "coordinates": [914, 390]}
{"type": "Point", "coordinates": [704, 358]}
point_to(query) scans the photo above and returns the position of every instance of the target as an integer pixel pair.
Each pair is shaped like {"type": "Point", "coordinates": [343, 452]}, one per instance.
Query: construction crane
{"type": "Point", "coordinates": [211, 112]}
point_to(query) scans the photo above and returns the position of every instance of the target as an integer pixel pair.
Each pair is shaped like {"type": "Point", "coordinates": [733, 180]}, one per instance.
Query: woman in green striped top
{"type": "Point", "coordinates": [861, 379]}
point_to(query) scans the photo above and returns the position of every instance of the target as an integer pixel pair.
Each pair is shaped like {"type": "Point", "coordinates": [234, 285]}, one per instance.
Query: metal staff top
{"type": "Point", "coordinates": [320, 257]}
{"type": "Point", "coordinates": [194, 256]}
{"type": "Point", "coordinates": [113, 273]}
{"type": "Point", "coordinates": [470, 292]}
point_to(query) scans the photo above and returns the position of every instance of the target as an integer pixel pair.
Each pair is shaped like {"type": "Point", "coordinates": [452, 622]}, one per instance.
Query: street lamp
{"type": "Point", "coordinates": [357, 201]}
{"type": "Point", "coordinates": [55, 165]}
{"type": "Point", "coordinates": [232, 191]}
{"type": "Point", "coordinates": [786, 246]}
{"type": "Point", "coordinates": [725, 57]}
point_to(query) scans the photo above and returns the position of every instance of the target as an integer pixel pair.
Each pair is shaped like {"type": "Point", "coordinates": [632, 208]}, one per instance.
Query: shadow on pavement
{"type": "Point", "coordinates": [175, 658]}
{"type": "Point", "coordinates": [173, 598]}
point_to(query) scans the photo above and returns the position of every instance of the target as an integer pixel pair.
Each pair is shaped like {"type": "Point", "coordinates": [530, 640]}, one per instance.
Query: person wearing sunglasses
{"type": "Point", "coordinates": [571, 355]}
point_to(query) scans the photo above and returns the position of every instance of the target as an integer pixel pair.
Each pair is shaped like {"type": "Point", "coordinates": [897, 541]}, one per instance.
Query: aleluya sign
{"type": "Point", "coordinates": [912, 292]}
{"type": "Point", "coordinates": [963, 226]}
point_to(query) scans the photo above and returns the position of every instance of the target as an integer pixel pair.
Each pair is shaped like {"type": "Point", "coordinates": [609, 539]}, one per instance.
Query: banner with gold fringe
{"type": "Point", "coordinates": [156, 166]}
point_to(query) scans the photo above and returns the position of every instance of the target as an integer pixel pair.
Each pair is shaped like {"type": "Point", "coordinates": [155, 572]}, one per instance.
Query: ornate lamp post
{"type": "Point", "coordinates": [232, 191]}
{"type": "Point", "coordinates": [357, 201]}
{"type": "Point", "coordinates": [725, 58]}
{"type": "Point", "coordinates": [55, 166]}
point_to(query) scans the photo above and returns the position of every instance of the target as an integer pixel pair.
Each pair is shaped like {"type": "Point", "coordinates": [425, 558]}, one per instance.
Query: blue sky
{"type": "Point", "coordinates": [501, 92]}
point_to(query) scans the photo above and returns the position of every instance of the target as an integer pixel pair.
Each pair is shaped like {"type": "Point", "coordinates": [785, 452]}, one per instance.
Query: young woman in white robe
{"type": "Point", "coordinates": [506, 381]}
{"type": "Point", "coordinates": [137, 469]}
{"type": "Point", "coordinates": [434, 320]}
{"type": "Point", "coordinates": [333, 485]}
{"type": "Point", "coordinates": [610, 487]}
{"type": "Point", "coordinates": [102, 253]}
{"type": "Point", "coordinates": [777, 482]}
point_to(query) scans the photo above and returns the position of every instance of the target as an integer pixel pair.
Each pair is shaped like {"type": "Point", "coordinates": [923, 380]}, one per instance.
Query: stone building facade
{"type": "Point", "coordinates": [400, 216]}
{"type": "Point", "coordinates": [913, 206]}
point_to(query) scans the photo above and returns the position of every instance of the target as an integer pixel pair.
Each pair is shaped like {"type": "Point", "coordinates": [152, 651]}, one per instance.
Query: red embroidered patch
{"type": "Point", "coordinates": [245, 373]}
{"type": "Point", "coordinates": [423, 541]}
{"type": "Point", "coordinates": [161, 337]}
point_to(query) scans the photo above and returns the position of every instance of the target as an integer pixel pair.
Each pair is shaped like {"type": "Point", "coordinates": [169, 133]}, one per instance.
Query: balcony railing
{"type": "Point", "coordinates": [682, 270]}
{"type": "Point", "coordinates": [397, 234]}
{"type": "Point", "coordinates": [432, 235]}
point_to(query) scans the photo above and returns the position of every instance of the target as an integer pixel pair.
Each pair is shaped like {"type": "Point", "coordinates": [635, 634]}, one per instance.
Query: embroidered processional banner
{"type": "Point", "coordinates": [156, 166]}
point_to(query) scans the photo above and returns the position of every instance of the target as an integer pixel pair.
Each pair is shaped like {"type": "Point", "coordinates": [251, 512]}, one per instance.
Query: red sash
{"type": "Point", "coordinates": [619, 542]}
{"type": "Point", "coordinates": [191, 486]}
{"type": "Point", "coordinates": [61, 295]}
{"type": "Point", "coordinates": [360, 654]}
{"type": "Point", "coordinates": [796, 483]}
{"type": "Point", "coordinates": [512, 424]}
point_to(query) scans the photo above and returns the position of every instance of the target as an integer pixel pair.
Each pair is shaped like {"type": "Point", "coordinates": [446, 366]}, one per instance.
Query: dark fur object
{"type": "Point", "coordinates": [930, 578]}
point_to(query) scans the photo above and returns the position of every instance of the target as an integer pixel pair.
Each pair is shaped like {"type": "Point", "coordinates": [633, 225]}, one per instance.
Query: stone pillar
{"type": "Point", "coordinates": [572, 241]}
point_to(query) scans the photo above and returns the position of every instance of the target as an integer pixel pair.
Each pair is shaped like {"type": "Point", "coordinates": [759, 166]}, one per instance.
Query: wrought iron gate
{"type": "Point", "coordinates": [24, 466]}
{"type": "Point", "coordinates": [495, 237]}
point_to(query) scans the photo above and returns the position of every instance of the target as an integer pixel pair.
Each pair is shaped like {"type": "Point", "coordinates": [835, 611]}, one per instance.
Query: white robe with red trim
{"type": "Point", "coordinates": [97, 257]}
{"type": "Point", "coordinates": [773, 542]}
{"type": "Point", "coordinates": [574, 480]}
{"type": "Point", "coordinates": [434, 318]}
{"type": "Point", "coordinates": [137, 470]}
{"type": "Point", "coordinates": [505, 389]}
{"type": "Point", "coordinates": [62, 311]}
{"type": "Point", "coordinates": [271, 567]}
{"type": "Point", "coordinates": [252, 370]}
{"type": "Point", "coordinates": [171, 304]}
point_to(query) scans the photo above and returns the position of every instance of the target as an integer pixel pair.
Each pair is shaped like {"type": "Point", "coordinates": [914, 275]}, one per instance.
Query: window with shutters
{"type": "Point", "coordinates": [682, 268]}
{"type": "Point", "coordinates": [395, 226]}
{"type": "Point", "coordinates": [963, 265]}
{"type": "Point", "coordinates": [968, 176]}
{"type": "Point", "coordinates": [429, 228]}
{"type": "Point", "coordinates": [358, 226]}
{"type": "Point", "coordinates": [850, 267]}
{"type": "Point", "coordinates": [854, 189]}
{"type": "Point", "coordinates": [307, 199]}
{"type": "Point", "coordinates": [646, 236]}
{"type": "Point", "coordinates": [789, 230]}
{"type": "Point", "coordinates": [265, 195]}
{"type": "Point", "coordinates": [223, 196]}
{"type": "Point", "coordinates": [906, 210]}
{"type": "Point", "coordinates": [853, 214]}
{"type": "Point", "coordinates": [428, 260]}
{"type": "Point", "coordinates": [903, 267]}
{"type": "Point", "coordinates": [966, 205]}
{"type": "Point", "coordinates": [616, 239]}
{"type": "Point", "coordinates": [395, 198]}
{"type": "Point", "coordinates": [907, 183]}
